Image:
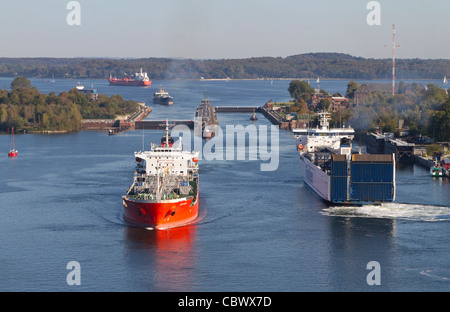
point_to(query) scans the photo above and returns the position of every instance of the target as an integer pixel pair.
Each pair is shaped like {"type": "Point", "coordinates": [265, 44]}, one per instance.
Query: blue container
{"type": "Point", "coordinates": [339, 177]}
{"type": "Point", "coordinates": [372, 181]}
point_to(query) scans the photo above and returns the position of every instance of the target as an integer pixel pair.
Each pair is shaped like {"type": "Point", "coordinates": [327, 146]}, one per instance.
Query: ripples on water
{"type": "Point", "coordinates": [257, 231]}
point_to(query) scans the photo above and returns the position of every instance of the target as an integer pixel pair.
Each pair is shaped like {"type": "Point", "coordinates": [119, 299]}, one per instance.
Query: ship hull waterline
{"type": "Point", "coordinates": [163, 102]}
{"type": "Point", "coordinates": [161, 215]}
{"type": "Point", "coordinates": [134, 83]}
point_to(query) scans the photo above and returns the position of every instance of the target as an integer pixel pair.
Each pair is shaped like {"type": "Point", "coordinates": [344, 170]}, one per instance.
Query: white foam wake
{"type": "Point", "coordinates": [416, 212]}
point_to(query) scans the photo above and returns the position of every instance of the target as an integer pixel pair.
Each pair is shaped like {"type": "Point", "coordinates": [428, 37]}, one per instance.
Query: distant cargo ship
{"type": "Point", "coordinates": [162, 97]}
{"type": "Point", "coordinates": [207, 119]}
{"type": "Point", "coordinates": [339, 176]}
{"type": "Point", "coordinates": [140, 79]}
{"type": "Point", "coordinates": [165, 190]}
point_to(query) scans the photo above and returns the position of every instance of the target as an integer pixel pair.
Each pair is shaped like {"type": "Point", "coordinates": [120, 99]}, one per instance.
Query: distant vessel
{"type": "Point", "coordinates": [254, 118]}
{"type": "Point", "coordinates": [162, 97]}
{"type": "Point", "coordinates": [13, 152]}
{"type": "Point", "coordinates": [436, 170]}
{"type": "Point", "coordinates": [140, 79]}
{"type": "Point", "coordinates": [165, 190]}
{"type": "Point", "coordinates": [207, 117]}
{"type": "Point", "coordinates": [339, 176]}
{"type": "Point", "coordinates": [90, 93]}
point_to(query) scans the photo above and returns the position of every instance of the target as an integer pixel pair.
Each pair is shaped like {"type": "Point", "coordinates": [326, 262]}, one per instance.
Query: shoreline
{"type": "Point", "coordinates": [250, 79]}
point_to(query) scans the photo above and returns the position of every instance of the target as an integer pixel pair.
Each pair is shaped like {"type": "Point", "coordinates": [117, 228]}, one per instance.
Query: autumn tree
{"type": "Point", "coordinates": [300, 90]}
{"type": "Point", "coordinates": [324, 105]}
{"type": "Point", "coordinates": [20, 82]}
{"type": "Point", "coordinates": [352, 86]}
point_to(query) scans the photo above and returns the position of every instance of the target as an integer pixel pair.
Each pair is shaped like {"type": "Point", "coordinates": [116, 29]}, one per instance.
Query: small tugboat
{"type": "Point", "coordinates": [436, 170]}
{"type": "Point", "coordinates": [253, 118]}
{"type": "Point", "coordinates": [162, 97]}
{"type": "Point", "coordinates": [13, 152]}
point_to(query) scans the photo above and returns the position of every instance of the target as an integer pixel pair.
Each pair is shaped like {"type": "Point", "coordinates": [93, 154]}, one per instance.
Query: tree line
{"type": "Point", "coordinates": [27, 109]}
{"type": "Point", "coordinates": [324, 65]}
{"type": "Point", "coordinates": [425, 111]}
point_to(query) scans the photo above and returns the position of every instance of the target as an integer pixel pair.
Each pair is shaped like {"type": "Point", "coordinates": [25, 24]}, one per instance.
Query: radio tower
{"type": "Point", "coordinates": [393, 58]}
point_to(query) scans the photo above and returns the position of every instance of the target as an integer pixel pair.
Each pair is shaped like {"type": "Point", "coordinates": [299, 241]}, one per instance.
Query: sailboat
{"type": "Point", "coordinates": [13, 152]}
{"type": "Point", "coordinates": [444, 84]}
{"type": "Point", "coordinates": [53, 78]}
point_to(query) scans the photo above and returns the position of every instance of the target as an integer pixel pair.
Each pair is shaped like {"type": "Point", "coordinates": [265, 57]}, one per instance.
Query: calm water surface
{"type": "Point", "coordinates": [60, 201]}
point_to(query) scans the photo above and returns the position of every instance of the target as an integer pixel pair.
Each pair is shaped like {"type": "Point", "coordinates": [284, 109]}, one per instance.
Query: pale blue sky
{"type": "Point", "coordinates": [222, 29]}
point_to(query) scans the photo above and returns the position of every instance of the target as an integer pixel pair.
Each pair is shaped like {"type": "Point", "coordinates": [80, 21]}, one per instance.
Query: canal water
{"type": "Point", "coordinates": [60, 201]}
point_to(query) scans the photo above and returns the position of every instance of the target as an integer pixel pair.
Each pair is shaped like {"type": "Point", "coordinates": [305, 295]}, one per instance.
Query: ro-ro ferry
{"type": "Point", "coordinates": [337, 174]}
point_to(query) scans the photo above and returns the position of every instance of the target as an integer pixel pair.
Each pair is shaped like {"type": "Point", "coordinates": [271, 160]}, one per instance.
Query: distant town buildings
{"type": "Point", "coordinates": [336, 102]}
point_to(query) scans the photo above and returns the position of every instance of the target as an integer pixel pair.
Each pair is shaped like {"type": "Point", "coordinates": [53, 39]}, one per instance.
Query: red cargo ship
{"type": "Point", "coordinates": [141, 80]}
{"type": "Point", "coordinates": [165, 190]}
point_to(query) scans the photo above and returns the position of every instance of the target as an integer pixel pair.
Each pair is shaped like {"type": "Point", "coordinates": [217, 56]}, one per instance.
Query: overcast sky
{"type": "Point", "coordinates": [222, 29]}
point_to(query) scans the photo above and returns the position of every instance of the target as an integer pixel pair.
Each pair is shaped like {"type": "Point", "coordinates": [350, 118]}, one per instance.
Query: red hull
{"type": "Point", "coordinates": [12, 154]}
{"type": "Point", "coordinates": [159, 215]}
{"type": "Point", "coordinates": [129, 82]}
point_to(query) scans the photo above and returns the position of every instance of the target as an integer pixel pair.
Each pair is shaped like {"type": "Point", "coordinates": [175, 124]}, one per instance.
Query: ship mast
{"type": "Point", "coordinates": [167, 133]}
{"type": "Point", "coordinates": [394, 45]}
{"type": "Point", "coordinates": [14, 146]}
{"type": "Point", "coordinates": [323, 119]}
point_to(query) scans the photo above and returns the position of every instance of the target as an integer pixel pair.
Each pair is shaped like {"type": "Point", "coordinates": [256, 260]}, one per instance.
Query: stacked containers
{"type": "Point", "coordinates": [372, 178]}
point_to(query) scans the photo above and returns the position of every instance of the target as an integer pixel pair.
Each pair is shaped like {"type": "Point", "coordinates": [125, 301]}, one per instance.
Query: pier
{"type": "Point", "coordinates": [271, 115]}
{"type": "Point", "coordinates": [160, 124]}
{"type": "Point", "coordinates": [387, 144]}
{"type": "Point", "coordinates": [404, 152]}
{"type": "Point", "coordinates": [238, 109]}
{"type": "Point", "coordinates": [426, 162]}
{"type": "Point", "coordinates": [205, 114]}
{"type": "Point", "coordinates": [116, 126]}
